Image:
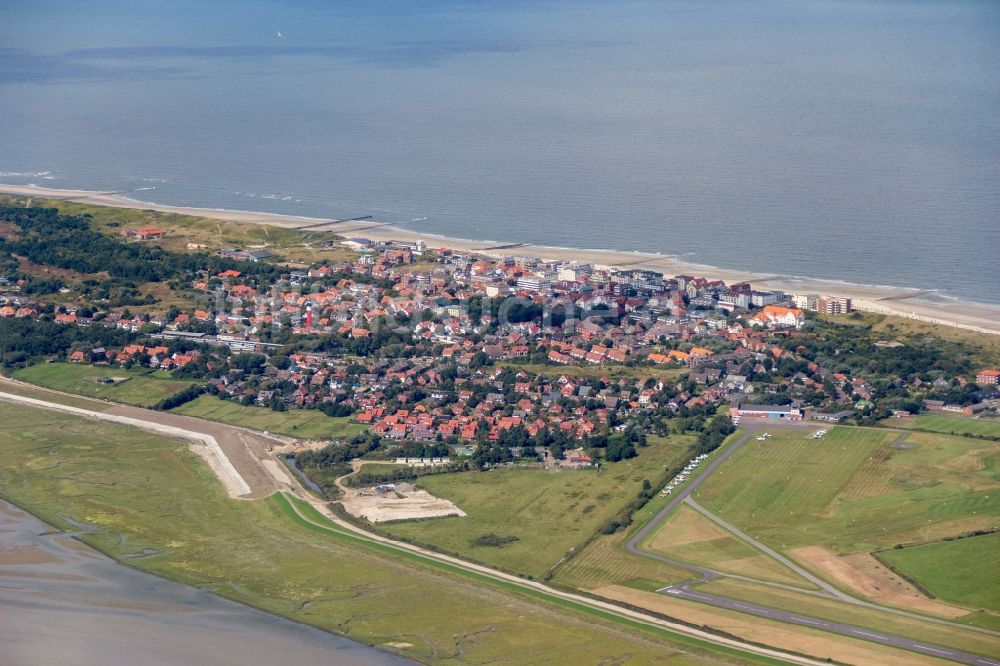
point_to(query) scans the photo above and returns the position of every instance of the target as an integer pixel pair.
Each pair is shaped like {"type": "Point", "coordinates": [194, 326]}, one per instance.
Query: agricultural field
{"type": "Point", "coordinates": [691, 537]}
{"type": "Point", "coordinates": [301, 423]}
{"type": "Point", "coordinates": [548, 512]}
{"type": "Point", "coordinates": [142, 387]}
{"type": "Point", "coordinates": [956, 425]}
{"type": "Point", "coordinates": [149, 500]}
{"type": "Point", "coordinates": [966, 571]}
{"type": "Point", "coordinates": [857, 489]}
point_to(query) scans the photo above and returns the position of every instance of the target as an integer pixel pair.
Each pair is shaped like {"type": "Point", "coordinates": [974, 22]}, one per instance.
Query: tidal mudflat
{"type": "Point", "coordinates": [63, 603]}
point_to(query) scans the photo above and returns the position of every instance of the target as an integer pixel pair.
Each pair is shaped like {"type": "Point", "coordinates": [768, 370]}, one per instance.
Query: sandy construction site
{"type": "Point", "coordinates": [400, 501]}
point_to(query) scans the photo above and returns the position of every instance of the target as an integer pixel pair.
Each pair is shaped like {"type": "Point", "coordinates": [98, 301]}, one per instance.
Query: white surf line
{"type": "Point", "coordinates": [224, 469]}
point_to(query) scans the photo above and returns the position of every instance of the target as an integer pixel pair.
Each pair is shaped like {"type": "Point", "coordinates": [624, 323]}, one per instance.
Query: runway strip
{"type": "Point", "coordinates": [863, 633]}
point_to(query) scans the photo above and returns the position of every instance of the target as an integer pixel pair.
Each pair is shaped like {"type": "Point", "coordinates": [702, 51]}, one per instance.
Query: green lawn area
{"type": "Point", "coordinates": [135, 492]}
{"type": "Point", "coordinates": [143, 387]}
{"type": "Point", "coordinates": [957, 425]}
{"type": "Point", "coordinates": [853, 491]}
{"type": "Point", "coordinates": [41, 394]}
{"type": "Point", "coordinates": [303, 423]}
{"type": "Point", "coordinates": [691, 537]}
{"type": "Point", "coordinates": [966, 571]}
{"type": "Point", "coordinates": [549, 512]}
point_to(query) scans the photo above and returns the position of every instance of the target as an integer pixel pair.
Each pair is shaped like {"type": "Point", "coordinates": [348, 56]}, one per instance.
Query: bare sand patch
{"type": "Point", "coordinates": [803, 640]}
{"type": "Point", "coordinates": [408, 505]}
{"type": "Point", "coordinates": [399, 501]}
{"type": "Point", "coordinates": [864, 575]}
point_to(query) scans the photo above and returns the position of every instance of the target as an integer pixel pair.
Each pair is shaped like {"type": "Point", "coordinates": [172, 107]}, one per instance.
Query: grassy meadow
{"type": "Point", "coordinates": [957, 425]}
{"type": "Point", "coordinates": [548, 512]}
{"type": "Point", "coordinates": [691, 537]}
{"type": "Point", "coordinates": [966, 571]}
{"type": "Point", "coordinates": [148, 499]}
{"type": "Point", "coordinates": [143, 387]}
{"type": "Point", "coordinates": [857, 489]}
{"type": "Point", "coordinates": [302, 423]}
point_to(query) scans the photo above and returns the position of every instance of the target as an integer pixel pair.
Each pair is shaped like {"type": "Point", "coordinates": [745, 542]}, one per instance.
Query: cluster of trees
{"type": "Point", "coordinates": [179, 398]}
{"type": "Point", "coordinates": [423, 450]}
{"type": "Point", "coordinates": [69, 242]}
{"type": "Point", "coordinates": [370, 477]}
{"type": "Point", "coordinates": [714, 434]}
{"type": "Point", "coordinates": [336, 455]}
{"type": "Point", "coordinates": [24, 341]}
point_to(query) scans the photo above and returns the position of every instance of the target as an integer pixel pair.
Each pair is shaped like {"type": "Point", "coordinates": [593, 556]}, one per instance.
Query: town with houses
{"type": "Point", "coordinates": [438, 345]}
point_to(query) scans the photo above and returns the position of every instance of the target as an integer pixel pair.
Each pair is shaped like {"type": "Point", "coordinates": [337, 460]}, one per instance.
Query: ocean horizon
{"type": "Point", "coordinates": [851, 142]}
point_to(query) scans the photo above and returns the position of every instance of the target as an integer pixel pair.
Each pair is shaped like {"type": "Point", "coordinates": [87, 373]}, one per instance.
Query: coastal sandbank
{"type": "Point", "coordinates": [919, 304]}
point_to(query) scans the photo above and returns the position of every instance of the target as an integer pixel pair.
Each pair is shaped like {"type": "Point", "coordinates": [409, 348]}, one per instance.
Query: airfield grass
{"type": "Point", "coordinates": [956, 425]}
{"type": "Point", "coordinates": [148, 501]}
{"type": "Point", "coordinates": [966, 571]}
{"type": "Point", "coordinates": [302, 423]}
{"type": "Point", "coordinates": [689, 536]}
{"type": "Point", "coordinates": [549, 512]}
{"type": "Point", "coordinates": [606, 562]}
{"type": "Point", "coordinates": [143, 388]}
{"type": "Point", "coordinates": [853, 491]}
{"type": "Point", "coordinates": [838, 611]}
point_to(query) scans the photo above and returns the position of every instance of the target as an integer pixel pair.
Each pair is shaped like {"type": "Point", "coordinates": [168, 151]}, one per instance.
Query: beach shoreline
{"type": "Point", "coordinates": [918, 304]}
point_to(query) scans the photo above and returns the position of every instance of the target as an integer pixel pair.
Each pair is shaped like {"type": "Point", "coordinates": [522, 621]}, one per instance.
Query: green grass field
{"type": "Point", "coordinates": [606, 562]}
{"type": "Point", "coordinates": [38, 393]}
{"type": "Point", "coordinates": [852, 491]}
{"type": "Point", "coordinates": [955, 424]}
{"type": "Point", "coordinates": [139, 493]}
{"type": "Point", "coordinates": [144, 387]}
{"type": "Point", "coordinates": [549, 512]}
{"type": "Point", "coordinates": [303, 423]}
{"type": "Point", "coordinates": [688, 536]}
{"type": "Point", "coordinates": [966, 571]}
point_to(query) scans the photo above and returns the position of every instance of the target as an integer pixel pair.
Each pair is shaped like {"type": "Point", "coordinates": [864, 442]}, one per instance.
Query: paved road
{"type": "Point", "coordinates": [682, 591]}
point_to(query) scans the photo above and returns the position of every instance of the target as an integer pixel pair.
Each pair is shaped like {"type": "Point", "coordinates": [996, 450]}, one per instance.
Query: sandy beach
{"type": "Point", "coordinates": [916, 304]}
